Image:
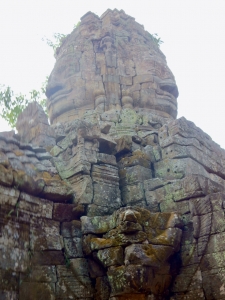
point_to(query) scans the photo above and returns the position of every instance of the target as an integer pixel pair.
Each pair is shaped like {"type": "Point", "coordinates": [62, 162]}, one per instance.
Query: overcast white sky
{"type": "Point", "coordinates": [192, 31]}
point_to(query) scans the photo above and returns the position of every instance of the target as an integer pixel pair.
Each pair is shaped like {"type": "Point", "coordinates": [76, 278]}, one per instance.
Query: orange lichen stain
{"type": "Point", "coordinates": [46, 176]}
{"type": "Point", "coordinates": [18, 153]}
{"type": "Point", "coordinates": [138, 158]}
{"type": "Point", "coordinates": [98, 243]}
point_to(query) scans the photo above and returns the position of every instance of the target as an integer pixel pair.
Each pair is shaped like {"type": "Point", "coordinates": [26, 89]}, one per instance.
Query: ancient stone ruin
{"type": "Point", "coordinates": [116, 199]}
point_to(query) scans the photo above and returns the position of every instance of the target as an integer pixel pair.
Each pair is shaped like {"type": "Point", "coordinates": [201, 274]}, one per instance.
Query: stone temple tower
{"type": "Point", "coordinates": [110, 63]}
{"type": "Point", "coordinates": [116, 199]}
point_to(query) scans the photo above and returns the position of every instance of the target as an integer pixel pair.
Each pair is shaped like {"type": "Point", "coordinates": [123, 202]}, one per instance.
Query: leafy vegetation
{"type": "Point", "coordinates": [58, 39]}
{"type": "Point", "coordinates": [156, 39]}
{"type": "Point", "coordinates": [57, 42]}
{"type": "Point", "coordinates": [13, 104]}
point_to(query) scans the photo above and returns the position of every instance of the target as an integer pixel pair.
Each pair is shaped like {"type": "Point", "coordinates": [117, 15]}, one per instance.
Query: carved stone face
{"type": "Point", "coordinates": [114, 58]}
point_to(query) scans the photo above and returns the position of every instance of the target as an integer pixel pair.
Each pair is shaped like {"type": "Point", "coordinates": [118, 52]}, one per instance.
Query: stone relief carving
{"type": "Point", "coordinates": [113, 53]}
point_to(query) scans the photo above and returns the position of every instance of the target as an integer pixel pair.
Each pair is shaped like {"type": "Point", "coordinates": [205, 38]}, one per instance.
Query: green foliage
{"type": "Point", "coordinates": [58, 39]}
{"type": "Point", "coordinates": [156, 39]}
{"type": "Point", "coordinates": [13, 104]}
{"type": "Point", "coordinates": [67, 260]}
{"type": "Point", "coordinates": [76, 25]}
{"type": "Point", "coordinates": [57, 42]}
{"type": "Point", "coordinates": [15, 209]}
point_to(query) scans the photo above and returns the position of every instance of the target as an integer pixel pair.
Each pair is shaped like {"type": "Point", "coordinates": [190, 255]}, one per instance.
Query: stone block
{"type": "Point", "coordinates": [72, 288]}
{"type": "Point", "coordinates": [205, 159]}
{"type": "Point", "coordinates": [40, 274]}
{"type": "Point", "coordinates": [212, 261]}
{"type": "Point", "coordinates": [216, 243]}
{"type": "Point", "coordinates": [45, 235]}
{"type": "Point", "coordinates": [189, 187]}
{"type": "Point", "coordinates": [74, 164]}
{"type": "Point", "coordinates": [95, 269]}
{"type": "Point", "coordinates": [9, 196]}
{"type": "Point", "coordinates": [189, 254]}
{"type": "Point", "coordinates": [102, 288]}
{"type": "Point", "coordinates": [218, 224]}
{"type": "Point", "coordinates": [42, 258]}
{"type": "Point", "coordinates": [97, 210]}
{"type": "Point", "coordinates": [67, 212]}
{"type": "Point", "coordinates": [14, 258]}
{"type": "Point", "coordinates": [188, 129]}
{"type": "Point", "coordinates": [103, 158]}
{"type": "Point", "coordinates": [128, 116]}
{"type": "Point", "coordinates": [111, 256]}
{"type": "Point", "coordinates": [105, 173]}
{"type": "Point", "coordinates": [57, 190]}
{"type": "Point", "coordinates": [46, 142]}
{"type": "Point", "coordinates": [184, 278]}
{"type": "Point", "coordinates": [82, 186]}
{"type": "Point", "coordinates": [3, 157]}
{"type": "Point", "coordinates": [37, 290]}
{"type": "Point", "coordinates": [56, 150]}
{"type": "Point", "coordinates": [200, 206]}
{"type": "Point", "coordinates": [217, 200]}
{"type": "Point", "coordinates": [14, 230]}
{"type": "Point", "coordinates": [106, 194]}
{"type": "Point", "coordinates": [77, 267]}
{"type": "Point", "coordinates": [35, 206]}
{"type": "Point", "coordinates": [97, 224]}
{"type": "Point", "coordinates": [179, 168]}
{"type": "Point", "coordinates": [202, 244]}
{"type": "Point", "coordinates": [6, 176]}
{"type": "Point", "coordinates": [173, 169]}
{"type": "Point", "coordinates": [134, 175]}
{"type": "Point", "coordinates": [124, 144]}
{"type": "Point", "coordinates": [105, 128]}
{"type": "Point", "coordinates": [73, 247]}
{"type": "Point", "coordinates": [27, 183]}
{"type": "Point", "coordinates": [132, 194]}
{"type": "Point", "coordinates": [71, 229]}
{"type": "Point", "coordinates": [213, 283]}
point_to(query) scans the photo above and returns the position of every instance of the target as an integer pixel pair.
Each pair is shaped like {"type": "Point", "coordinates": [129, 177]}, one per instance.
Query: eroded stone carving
{"type": "Point", "coordinates": [116, 55]}
{"type": "Point", "coordinates": [135, 246]}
